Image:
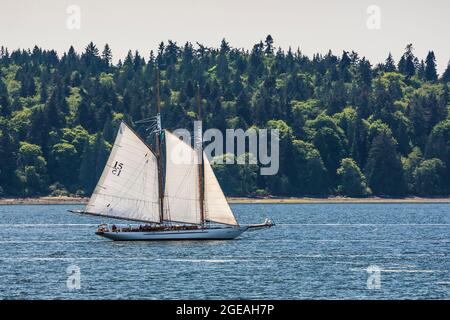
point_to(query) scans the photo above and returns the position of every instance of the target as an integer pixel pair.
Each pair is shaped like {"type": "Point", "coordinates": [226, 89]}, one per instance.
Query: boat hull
{"type": "Point", "coordinates": [225, 233]}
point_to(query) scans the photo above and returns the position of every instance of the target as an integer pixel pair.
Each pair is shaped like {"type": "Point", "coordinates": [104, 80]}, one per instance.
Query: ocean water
{"type": "Point", "coordinates": [316, 251]}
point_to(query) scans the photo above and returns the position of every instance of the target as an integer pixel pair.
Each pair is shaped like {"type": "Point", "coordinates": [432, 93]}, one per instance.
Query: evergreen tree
{"type": "Point", "coordinates": [421, 70]}
{"type": "Point", "coordinates": [384, 169]}
{"type": "Point", "coordinates": [5, 110]}
{"type": "Point", "coordinates": [429, 178]}
{"type": "Point", "coordinates": [410, 164]}
{"type": "Point", "coordinates": [389, 64]}
{"type": "Point", "coordinates": [438, 146]}
{"type": "Point", "coordinates": [8, 160]}
{"type": "Point", "coordinates": [107, 55]}
{"type": "Point", "coordinates": [446, 75]}
{"type": "Point", "coordinates": [309, 168]}
{"type": "Point", "coordinates": [430, 67]}
{"type": "Point", "coordinates": [54, 114]}
{"type": "Point", "coordinates": [406, 64]}
{"type": "Point", "coordinates": [86, 175]}
{"type": "Point", "coordinates": [327, 108]}
{"type": "Point", "coordinates": [268, 45]}
{"type": "Point", "coordinates": [344, 65]}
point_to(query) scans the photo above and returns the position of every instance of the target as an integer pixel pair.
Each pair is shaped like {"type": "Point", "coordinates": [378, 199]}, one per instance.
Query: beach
{"type": "Point", "coordinates": [269, 200]}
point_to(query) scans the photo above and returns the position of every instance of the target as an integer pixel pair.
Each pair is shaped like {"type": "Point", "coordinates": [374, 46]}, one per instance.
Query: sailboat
{"type": "Point", "coordinates": [191, 206]}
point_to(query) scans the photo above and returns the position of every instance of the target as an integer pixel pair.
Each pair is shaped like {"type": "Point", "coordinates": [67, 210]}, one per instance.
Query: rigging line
{"type": "Point", "coordinates": [123, 195]}
{"type": "Point", "coordinates": [140, 166]}
{"type": "Point", "coordinates": [107, 196]}
{"type": "Point", "coordinates": [183, 198]}
{"type": "Point", "coordinates": [131, 148]}
{"type": "Point", "coordinates": [124, 198]}
{"type": "Point", "coordinates": [114, 149]}
{"type": "Point", "coordinates": [124, 189]}
{"type": "Point", "coordinates": [187, 175]}
{"type": "Point", "coordinates": [136, 151]}
{"type": "Point", "coordinates": [127, 187]}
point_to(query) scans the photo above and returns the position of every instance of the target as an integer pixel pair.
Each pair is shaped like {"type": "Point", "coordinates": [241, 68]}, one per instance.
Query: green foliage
{"type": "Point", "coordinates": [32, 169]}
{"type": "Point", "coordinates": [410, 164]}
{"type": "Point", "coordinates": [309, 176]}
{"type": "Point", "coordinates": [384, 169]}
{"type": "Point", "coordinates": [64, 160]}
{"type": "Point", "coordinates": [438, 146]}
{"type": "Point", "coordinates": [58, 190]}
{"type": "Point", "coordinates": [236, 179]}
{"type": "Point", "coordinates": [352, 180]}
{"type": "Point", "coordinates": [335, 114]}
{"type": "Point", "coordinates": [429, 178]}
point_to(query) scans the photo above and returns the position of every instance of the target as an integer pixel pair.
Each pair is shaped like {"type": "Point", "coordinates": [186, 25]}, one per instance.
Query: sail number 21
{"type": "Point", "coordinates": [117, 169]}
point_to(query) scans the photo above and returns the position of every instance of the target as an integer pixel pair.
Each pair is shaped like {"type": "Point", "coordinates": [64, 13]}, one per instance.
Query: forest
{"type": "Point", "coordinates": [347, 127]}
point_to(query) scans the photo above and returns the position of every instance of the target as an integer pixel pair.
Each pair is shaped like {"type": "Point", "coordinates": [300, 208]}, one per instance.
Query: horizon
{"type": "Point", "coordinates": [314, 28]}
{"type": "Point", "coordinates": [195, 45]}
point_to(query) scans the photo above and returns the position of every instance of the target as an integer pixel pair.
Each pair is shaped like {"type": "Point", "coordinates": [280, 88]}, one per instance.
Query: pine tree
{"type": "Point", "coordinates": [371, 111]}
{"type": "Point", "coordinates": [407, 62]}
{"type": "Point", "coordinates": [384, 169]}
{"type": "Point", "coordinates": [389, 64]}
{"type": "Point", "coordinates": [5, 110]}
{"type": "Point", "coordinates": [53, 114]}
{"type": "Point", "coordinates": [107, 55]}
{"type": "Point", "coordinates": [86, 178]}
{"type": "Point", "coordinates": [8, 160]}
{"type": "Point", "coordinates": [446, 75]}
{"type": "Point", "coordinates": [430, 67]}
{"type": "Point", "coordinates": [269, 45]}
{"type": "Point", "coordinates": [421, 70]}
{"type": "Point", "coordinates": [344, 65]}
{"type": "Point", "coordinates": [91, 50]}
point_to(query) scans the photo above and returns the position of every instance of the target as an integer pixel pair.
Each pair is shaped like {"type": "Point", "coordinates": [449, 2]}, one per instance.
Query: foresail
{"type": "Point", "coordinates": [217, 208]}
{"type": "Point", "coordinates": [181, 197]}
{"type": "Point", "coordinates": [128, 186]}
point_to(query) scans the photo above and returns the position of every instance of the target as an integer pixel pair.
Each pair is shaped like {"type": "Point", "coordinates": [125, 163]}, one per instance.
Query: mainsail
{"type": "Point", "coordinates": [128, 186]}
{"type": "Point", "coordinates": [216, 205]}
{"type": "Point", "coordinates": [181, 197]}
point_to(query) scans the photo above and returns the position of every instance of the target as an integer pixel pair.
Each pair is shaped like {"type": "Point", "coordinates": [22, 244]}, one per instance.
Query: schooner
{"type": "Point", "coordinates": [189, 205]}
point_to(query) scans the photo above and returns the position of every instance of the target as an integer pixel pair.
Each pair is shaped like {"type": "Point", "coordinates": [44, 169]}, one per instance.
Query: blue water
{"type": "Point", "coordinates": [316, 251]}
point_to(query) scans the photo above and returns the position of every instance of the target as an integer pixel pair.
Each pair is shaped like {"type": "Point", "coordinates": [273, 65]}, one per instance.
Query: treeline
{"type": "Point", "coordinates": [346, 126]}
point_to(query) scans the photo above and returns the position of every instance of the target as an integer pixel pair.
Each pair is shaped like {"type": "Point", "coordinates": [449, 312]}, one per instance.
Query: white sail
{"type": "Point", "coordinates": [128, 186]}
{"type": "Point", "coordinates": [181, 197]}
{"type": "Point", "coordinates": [217, 208]}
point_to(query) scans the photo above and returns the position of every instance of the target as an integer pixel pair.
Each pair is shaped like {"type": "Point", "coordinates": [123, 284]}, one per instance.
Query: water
{"type": "Point", "coordinates": [316, 251]}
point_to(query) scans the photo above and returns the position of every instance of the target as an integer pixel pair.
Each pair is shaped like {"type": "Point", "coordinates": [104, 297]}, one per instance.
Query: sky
{"type": "Point", "coordinates": [314, 26]}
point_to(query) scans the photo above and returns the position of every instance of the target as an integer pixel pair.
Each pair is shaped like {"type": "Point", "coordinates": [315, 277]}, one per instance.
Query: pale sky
{"type": "Point", "coordinates": [314, 25]}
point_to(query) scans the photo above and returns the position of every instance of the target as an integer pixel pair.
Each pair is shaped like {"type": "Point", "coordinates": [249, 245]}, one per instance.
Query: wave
{"type": "Point", "coordinates": [363, 224]}
{"type": "Point", "coordinates": [46, 225]}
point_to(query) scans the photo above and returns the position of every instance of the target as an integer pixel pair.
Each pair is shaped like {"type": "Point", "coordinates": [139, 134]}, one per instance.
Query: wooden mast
{"type": "Point", "coordinates": [200, 157]}
{"type": "Point", "coordinates": [158, 149]}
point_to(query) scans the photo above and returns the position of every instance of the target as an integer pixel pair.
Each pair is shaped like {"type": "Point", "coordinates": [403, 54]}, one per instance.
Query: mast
{"type": "Point", "coordinates": [158, 149]}
{"type": "Point", "coordinates": [201, 168]}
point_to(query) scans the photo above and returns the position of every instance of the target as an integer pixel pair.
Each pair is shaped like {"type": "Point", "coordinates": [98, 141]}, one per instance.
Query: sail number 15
{"type": "Point", "coordinates": [117, 168]}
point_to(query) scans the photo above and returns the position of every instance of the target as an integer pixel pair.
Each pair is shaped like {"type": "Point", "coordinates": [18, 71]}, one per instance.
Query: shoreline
{"type": "Point", "coordinates": [306, 200]}
{"type": "Point", "coordinates": [239, 200]}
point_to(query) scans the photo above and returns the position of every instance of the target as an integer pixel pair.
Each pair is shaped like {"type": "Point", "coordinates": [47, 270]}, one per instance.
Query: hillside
{"type": "Point", "coordinates": [347, 127]}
